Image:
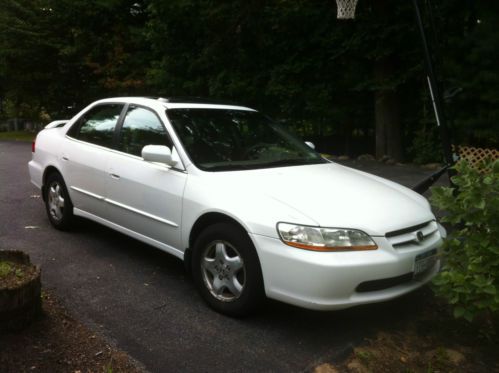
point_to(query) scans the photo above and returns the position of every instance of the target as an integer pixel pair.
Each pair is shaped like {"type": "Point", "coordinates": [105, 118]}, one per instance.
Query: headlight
{"type": "Point", "coordinates": [324, 239]}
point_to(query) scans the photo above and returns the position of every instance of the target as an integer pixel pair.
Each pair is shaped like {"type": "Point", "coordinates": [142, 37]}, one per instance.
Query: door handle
{"type": "Point", "coordinates": [64, 158]}
{"type": "Point", "coordinates": [114, 176]}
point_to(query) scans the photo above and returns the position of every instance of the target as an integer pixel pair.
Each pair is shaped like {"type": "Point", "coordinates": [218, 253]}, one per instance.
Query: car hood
{"type": "Point", "coordinates": [336, 196]}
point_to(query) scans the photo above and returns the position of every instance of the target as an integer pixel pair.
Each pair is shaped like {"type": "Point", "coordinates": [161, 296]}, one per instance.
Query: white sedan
{"type": "Point", "coordinates": [252, 210]}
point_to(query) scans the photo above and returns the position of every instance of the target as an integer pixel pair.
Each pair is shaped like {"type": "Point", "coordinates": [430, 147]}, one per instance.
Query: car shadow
{"type": "Point", "coordinates": [298, 335]}
{"type": "Point", "coordinates": [406, 306]}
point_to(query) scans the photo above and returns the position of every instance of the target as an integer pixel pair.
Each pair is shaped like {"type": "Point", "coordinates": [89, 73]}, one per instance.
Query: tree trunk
{"type": "Point", "coordinates": [387, 111]}
{"type": "Point", "coordinates": [16, 119]}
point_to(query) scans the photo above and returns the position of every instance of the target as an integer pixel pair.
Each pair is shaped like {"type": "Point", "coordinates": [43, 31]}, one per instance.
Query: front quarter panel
{"type": "Point", "coordinates": [256, 212]}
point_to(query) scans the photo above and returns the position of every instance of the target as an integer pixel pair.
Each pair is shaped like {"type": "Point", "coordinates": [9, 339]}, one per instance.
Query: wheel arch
{"type": "Point", "coordinates": [202, 222]}
{"type": "Point", "coordinates": [49, 170]}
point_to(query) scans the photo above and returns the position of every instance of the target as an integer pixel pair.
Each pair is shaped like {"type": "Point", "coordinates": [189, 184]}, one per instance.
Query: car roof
{"type": "Point", "coordinates": [178, 102]}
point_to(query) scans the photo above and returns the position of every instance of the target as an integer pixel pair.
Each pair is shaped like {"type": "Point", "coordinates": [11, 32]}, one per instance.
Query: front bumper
{"type": "Point", "coordinates": [330, 280]}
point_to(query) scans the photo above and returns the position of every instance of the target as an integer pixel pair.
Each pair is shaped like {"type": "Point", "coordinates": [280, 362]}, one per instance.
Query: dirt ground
{"type": "Point", "coordinates": [434, 342]}
{"type": "Point", "coordinates": [59, 343]}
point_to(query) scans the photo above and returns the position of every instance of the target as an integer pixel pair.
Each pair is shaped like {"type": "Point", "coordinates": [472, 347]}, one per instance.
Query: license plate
{"type": "Point", "coordinates": [425, 261]}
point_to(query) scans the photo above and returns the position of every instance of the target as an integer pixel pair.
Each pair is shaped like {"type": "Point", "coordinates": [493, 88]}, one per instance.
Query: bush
{"type": "Point", "coordinates": [426, 147]}
{"type": "Point", "coordinates": [469, 279]}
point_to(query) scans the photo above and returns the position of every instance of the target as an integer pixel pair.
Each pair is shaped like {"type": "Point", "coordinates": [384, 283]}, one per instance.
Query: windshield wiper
{"type": "Point", "coordinates": [228, 167]}
{"type": "Point", "coordinates": [290, 162]}
{"type": "Point", "coordinates": [280, 162]}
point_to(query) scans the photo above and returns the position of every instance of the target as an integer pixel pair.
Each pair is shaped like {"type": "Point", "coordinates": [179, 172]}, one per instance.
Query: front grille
{"type": "Point", "coordinates": [384, 283]}
{"type": "Point", "coordinates": [411, 236]}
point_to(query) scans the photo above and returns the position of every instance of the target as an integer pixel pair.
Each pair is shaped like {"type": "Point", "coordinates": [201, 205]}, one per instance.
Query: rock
{"type": "Point", "coordinates": [356, 366]}
{"type": "Point", "coordinates": [455, 357]}
{"type": "Point", "coordinates": [329, 156]}
{"type": "Point", "coordinates": [366, 157]}
{"type": "Point", "coordinates": [325, 368]}
{"type": "Point", "coordinates": [387, 160]}
{"type": "Point", "coordinates": [432, 166]}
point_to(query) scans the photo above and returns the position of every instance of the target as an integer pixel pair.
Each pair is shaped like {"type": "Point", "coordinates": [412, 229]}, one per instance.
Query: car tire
{"type": "Point", "coordinates": [226, 270]}
{"type": "Point", "coordinates": [57, 202]}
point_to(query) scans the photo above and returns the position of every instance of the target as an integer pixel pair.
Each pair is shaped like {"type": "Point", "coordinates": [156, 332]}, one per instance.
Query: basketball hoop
{"type": "Point", "coordinates": [346, 9]}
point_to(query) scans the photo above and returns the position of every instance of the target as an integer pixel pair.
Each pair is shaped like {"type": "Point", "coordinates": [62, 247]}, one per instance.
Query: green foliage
{"type": "Point", "coordinates": [5, 268]}
{"type": "Point", "coordinates": [364, 356]}
{"type": "Point", "coordinates": [470, 276]}
{"type": "Point", "coordinates": [292, 59]}
{"type": "Point", "coordinates": [18, 136]}
{"type": "Point", "coordinates": [60, 54]}
{"type": "Point", "coordinates": [426, 147]}
{"type": "Point", "coordinates": [470, 64]}
{"type": "Point", "coordinates": [108, 368]}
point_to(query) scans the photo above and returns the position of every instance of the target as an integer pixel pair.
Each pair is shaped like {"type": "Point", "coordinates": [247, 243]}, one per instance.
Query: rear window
{"type": "Point", "coordinates": [97, 125]}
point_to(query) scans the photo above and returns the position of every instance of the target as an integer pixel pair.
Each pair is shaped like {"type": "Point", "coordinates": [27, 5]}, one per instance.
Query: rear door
{"type": "Point", "coordinates": [85, 157]}
{"type": "Point", "coordinates": [145, 197]}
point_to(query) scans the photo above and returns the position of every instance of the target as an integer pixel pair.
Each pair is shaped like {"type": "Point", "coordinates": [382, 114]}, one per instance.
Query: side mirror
{"type": "Point", "coordinates": [310, 144]}
{"type": "Point", "coordinates": [158, 153]}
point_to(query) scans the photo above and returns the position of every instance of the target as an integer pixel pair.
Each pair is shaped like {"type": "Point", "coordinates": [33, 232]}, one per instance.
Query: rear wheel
{"type": "Point", "coordinates": [57, 202]}
{"type": "Point", "coordinates": [226, 270]}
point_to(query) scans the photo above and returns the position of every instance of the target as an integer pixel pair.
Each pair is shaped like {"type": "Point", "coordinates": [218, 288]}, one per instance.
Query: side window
{"type": "Point", "coordinates": [141, 127]}
{"type": "Point", "coordinates": [97, 125]}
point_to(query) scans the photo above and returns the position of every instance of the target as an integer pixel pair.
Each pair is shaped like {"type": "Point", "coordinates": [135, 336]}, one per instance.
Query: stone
{"type": "Point", "coordinates": [432, 166]}
{"type": "Point", "coordinates": [325, 368]}
{"type": "Point", "coordinates": [455, 357]}
{"type": "Point", "coordinates": [366, 157]}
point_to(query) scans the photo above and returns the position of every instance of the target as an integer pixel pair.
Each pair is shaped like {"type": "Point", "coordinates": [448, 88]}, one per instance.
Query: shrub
{"type": "Point", "coordinates": [425, 147]}
{"type": "Point", "coordinates": [469, 279]}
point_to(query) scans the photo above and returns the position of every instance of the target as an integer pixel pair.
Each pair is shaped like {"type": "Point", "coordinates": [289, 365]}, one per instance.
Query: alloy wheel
{"type": "Point", "coordinates": [56, 201]}
{"type": "Point", "coordinates": [223, 271]}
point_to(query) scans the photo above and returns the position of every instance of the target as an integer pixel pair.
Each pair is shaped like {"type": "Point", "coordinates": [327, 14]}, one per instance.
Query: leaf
{"type": "Point", "coordinates": [468, 315]}
{"type": "Point", "coordinates": [459, 312]}
{"type": "Point", "coordinates": [480, 204]}
{"type": "Point", "coordinates": [490, 289]}
{"type": "Point", "coordinates": [488, 180]}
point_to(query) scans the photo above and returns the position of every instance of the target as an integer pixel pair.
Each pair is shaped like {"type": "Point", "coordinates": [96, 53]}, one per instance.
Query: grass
{"type": "Point", "coordinates": [5, 269]}
{"type": "Point", "coordinates": [364, 356]}
{"type": "Point", "coordinates": [19, 273]}
{"type": "Point", "coordinates": [18, 136]}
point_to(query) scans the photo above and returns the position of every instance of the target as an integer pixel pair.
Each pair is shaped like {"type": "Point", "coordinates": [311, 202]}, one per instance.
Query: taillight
{"type": "Point", "coordinates": [33, 146]}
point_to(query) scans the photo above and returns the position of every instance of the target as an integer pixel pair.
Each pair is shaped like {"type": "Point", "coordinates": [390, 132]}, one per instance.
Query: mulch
{"type": "Point", "coordinates": [56, 342]}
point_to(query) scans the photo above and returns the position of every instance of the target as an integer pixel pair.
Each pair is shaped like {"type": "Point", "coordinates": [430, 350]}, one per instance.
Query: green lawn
{"type": "Point", "coordinates": [18, 136]}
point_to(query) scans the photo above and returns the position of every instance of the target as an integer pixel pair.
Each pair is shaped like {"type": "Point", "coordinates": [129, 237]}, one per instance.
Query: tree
{"type": "Point", "coordinates": [60, 54]}
{"type": "Point", "coordinates": [24, 42]}
{"type": "Point", "coordinates": [351, 87]}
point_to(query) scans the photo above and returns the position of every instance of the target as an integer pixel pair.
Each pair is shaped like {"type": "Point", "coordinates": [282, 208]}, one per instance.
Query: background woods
{"type": "Point", "coordinates": [351, 87]}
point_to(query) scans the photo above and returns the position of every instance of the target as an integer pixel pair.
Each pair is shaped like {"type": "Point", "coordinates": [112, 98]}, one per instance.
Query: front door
{"type": "Point", "coordinates": [145, 197]}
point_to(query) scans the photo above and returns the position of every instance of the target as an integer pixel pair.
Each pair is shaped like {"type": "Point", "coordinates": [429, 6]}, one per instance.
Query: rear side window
{"type": "Point", "coordinates": [97, 125]}
{"type": "Point", "coordinates": [141, 127]}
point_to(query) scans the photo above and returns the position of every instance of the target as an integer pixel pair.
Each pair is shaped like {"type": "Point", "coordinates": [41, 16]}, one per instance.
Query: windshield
{"type": "Point", "coordinates": [223, 139]}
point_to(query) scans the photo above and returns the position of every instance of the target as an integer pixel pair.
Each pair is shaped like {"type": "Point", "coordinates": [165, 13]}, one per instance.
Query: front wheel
{"type": "Point", "coordinates": [57, 202]}
{"type": "Point", "coordinates": [226, 270]}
